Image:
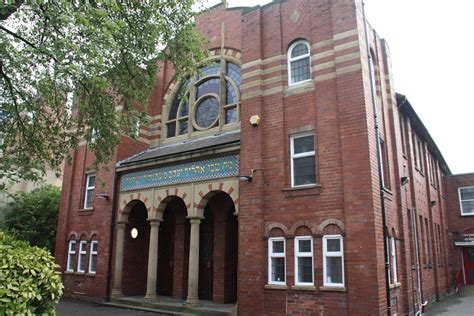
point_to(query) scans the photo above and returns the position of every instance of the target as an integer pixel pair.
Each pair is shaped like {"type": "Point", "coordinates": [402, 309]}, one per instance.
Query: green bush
{"type": "Point", "coordinates": [32, 216]}
{"type": "Point", "coordinates": [29, 284]}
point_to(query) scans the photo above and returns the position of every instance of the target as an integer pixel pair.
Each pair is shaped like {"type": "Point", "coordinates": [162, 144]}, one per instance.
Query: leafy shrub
{"type": "Point", "coordinates": [32, 216]}
{"type": "Point", "coordinates": [29, 284]}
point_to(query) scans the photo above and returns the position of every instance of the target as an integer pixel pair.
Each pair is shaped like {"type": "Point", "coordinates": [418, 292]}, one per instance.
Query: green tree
{"type": "Point", "coordinates": [66, 65]}
{"type": "Point", "coordinates": [28, 278]}
{"type": "Point", "coordinates": [33, 216]}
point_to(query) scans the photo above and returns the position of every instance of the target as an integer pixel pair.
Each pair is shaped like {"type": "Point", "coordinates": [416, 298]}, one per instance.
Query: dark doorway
{"type": "Point", "coordinates": [166, 251]}
{"type": "Point", "coordinates": [135, 261]}
{"type": "Point", "coordinates": [468, 256]}
{"type": "Point", "coordinates": [231, 258]}
{"type": "Point", "coordinates": [218, 248]}
{"type": "Point", "coordinates": [206, 251]}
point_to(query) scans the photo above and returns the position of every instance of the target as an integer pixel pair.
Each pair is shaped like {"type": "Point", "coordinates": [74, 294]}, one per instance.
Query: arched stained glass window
{"type": "Point", "coordinates": [200, 104]}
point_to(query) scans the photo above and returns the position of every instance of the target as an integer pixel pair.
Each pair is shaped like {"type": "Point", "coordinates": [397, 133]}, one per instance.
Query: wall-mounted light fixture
{"type": "Point", "coordinates": [104, 195]}
{"type": "Point", "coordinates": [249, 177]}
{"type": "Point", "coordinates": [404, 180]}
{"type": "Point", "coordinates": [255, 120]}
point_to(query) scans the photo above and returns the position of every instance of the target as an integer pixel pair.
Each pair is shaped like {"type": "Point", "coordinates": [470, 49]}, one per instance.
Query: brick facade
{"type": "Point", "coordinates": [336, 107]}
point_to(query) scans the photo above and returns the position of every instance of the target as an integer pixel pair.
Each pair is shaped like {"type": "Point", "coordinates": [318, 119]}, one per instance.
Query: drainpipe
{"type": "Point", "coordinates": [379, 166]}
{"type": "Point", "coordinates": [111, 241]}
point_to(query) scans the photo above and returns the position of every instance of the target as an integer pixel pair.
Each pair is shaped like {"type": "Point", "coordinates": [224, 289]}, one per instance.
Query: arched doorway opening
{"type": "Point", "coordinates": [135, 251]}
{"type": "Point", "coordinates": [173, 250]}
{"type": "Point", "coordinates": [218, 247]}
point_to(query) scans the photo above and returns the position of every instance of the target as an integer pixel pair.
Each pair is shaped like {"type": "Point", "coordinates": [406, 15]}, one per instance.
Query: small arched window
{"type": "Point", "coordinates": [209, 100]}
{"type": "Point", "coordinates": [299, 62]}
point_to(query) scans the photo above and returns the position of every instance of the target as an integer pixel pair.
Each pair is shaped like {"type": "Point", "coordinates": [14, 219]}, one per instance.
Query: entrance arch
{"type": "Point", "coordinates": [173, 250]}
{"type": "Point", "coordinates": [135, 250]}
{"type": "Point", "coordinates": [218, 244]}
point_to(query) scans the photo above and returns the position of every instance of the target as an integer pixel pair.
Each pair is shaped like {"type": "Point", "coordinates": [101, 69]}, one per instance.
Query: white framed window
{"type": "Point", "coordinates": [303, 160]}
{"type": "Point", "coordinates": [93, 256]}
{"type": "Point", "coordinates": [466, 200]}
{"type": "Point", "coordinates": [393, 253]}
{"type": "Point", "coordinates": [299, 62]}
{"type": "Point", "coordinates": [81, 262]}
{"type": "Point", "coordinates": [333, 261]}
{"type": "Point", "coordinates": [71, 254]}
{"type": "Point", "coordinates": [89, 192]}
{"type": "Point", "coordinates": [304, 261]}
{"type": "Point", "coordinates": [276, 261]}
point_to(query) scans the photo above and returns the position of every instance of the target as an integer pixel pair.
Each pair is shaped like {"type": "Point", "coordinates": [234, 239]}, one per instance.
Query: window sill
{"type": "Point", "coordinates": [312, 189]}
{"type": "Point", "coordinates": [90, 274]}
{"type": "Point", "coordinates": [86, 211]}
{"type": "Point", "coordinates": [299, 87]}
{"type": "Point", "coordinates": [303, 288]}
{"type": "Point", "coordinates": [472, 214]}
{"type": "Point", "coordinates": [396, 285]}
{"type": "Point", "coordinates": [333, 288]}
{"type": "Point", "coordinates": [79, 273]}
{"type": "Point", "coordinates": [275, 287]}
{"type": "Point", "coordinates": [68, 272]}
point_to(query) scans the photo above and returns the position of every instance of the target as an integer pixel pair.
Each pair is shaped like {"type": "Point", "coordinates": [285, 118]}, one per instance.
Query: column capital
{"type": "Point", "coordinates": [154, 221]}
{"type": "Point", "coordinates": [195, 219]}
{"type": "Point", "coordinates": [121, 224]}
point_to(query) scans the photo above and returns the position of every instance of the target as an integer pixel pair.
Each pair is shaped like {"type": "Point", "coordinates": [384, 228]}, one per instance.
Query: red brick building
{"type": "Point", "coordinates": [265, 182]}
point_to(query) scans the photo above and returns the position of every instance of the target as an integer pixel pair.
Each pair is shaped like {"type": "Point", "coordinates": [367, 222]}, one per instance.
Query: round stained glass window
{"type": "Point", "coordinates": [207, 112]}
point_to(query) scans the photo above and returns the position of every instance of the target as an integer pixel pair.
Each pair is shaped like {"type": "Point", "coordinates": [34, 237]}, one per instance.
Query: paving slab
{"type": "Point", "coordinates": [74, 307]}
{"type": "Point", "coordinates": [455, 305]}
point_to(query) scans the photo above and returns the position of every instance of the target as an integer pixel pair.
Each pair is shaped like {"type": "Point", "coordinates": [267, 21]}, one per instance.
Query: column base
{"type": "Point", "coordinates": [116, 293]}
{"type": "Point", "coordinates": [151, 296]}
{"type": "Point", "coordinates": [192, 302]}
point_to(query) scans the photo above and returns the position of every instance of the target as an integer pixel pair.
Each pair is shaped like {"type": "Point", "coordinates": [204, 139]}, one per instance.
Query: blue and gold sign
{"type": "Point", "coordinates": [219, 167]}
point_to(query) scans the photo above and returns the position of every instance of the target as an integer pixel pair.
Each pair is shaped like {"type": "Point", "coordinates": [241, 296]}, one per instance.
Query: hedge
{"type": "Point", "coordinates": [29, 284]}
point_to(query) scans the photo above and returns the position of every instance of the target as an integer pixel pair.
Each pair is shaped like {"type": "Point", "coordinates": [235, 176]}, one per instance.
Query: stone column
{"type": "Point", "coordinates": [152, 260]}
{"type": "Point", "coordinates": [193, 275]}
{"type": "Point", "coordinates": [117, 289]}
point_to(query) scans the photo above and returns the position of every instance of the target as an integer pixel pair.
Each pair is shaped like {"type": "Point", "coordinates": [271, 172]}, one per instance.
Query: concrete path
{"type": "Point", "coordinates": [455, 305]}
{"type": "Point", "coordinates": [72, 307]}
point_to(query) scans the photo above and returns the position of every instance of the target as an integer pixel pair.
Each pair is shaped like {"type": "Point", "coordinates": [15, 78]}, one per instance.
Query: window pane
{"type": "Point", "coordinates": [183, 127]}
{"type": "Point", "coordinates": [83, 247]}
{"type": "Point", "coordinates": [89, 198]}
{"type": "Point", "coordinates": [82, 262]}
{"type": "Point", "coordinates": [72, 246]}
{"type": "Point", "coordinates": [300, 70]}
{"type": "Point", "coordinates": [184, 109]}
{"type": "Point", "coordinates": [333, 245]}
{"type": "Point", "coordinates": [467, 194]}
{"type": "Point", "coordinates": [231, 115]}
{"type": "Point", "coordinates": [207, 112]}
{"type": "Point", "coordinates": [91, 181]}
{"type": "Point", "coordinates": [93, 263]}
{"type": "Point", "coordinates": [278, 246]}
{"type": "Point", "coordinates": [94, 247]}
{"type": "Point", "coordinates": [209, 70]}
{"type": "Point", "coordinates": [278, 269]}
{"type": "Point", "coordinates": [304, 171]}
{"type": "Point", "coordinates": [334, 269]}
{"type": "Point", "coordinates": [233, 71]}
{"type": "Point", "coordinates": [70, 267]}
{"type": "Point", "coordinates": [303, 144]}
{"type": "Point", "coordinates": [304, 245]}
{"type": "Point", "coordinates": [231, 94]}
{"type": "Point", "coordinates": [298, 50]}
{"type": "Point", "coordinates": [305, 269]}
{"type": "Point", "coordinates": [468, 207]}
{"type": "Point", "coordinates": [171, 129]}
{"type": "Point", "coordinates": [209, 86]}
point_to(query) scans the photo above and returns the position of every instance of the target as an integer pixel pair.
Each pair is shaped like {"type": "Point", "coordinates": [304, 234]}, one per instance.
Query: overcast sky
{"type": "Point", "coordinates": [432, 51]}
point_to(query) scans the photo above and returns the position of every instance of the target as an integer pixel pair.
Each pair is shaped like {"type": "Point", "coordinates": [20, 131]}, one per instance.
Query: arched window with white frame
{"type": "Point", "coordinates": [299, 62]}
